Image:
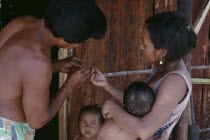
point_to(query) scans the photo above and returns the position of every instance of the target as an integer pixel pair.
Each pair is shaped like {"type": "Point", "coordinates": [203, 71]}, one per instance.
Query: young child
{"type": "Point", "coordinates": [138, 99]}
{"type": "Point", "coordinates": [90, 119]}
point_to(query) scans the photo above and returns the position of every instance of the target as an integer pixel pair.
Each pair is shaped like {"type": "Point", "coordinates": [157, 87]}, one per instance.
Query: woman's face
{"type": "Point", "coordinates": [151, 54]}
{"type": "Point", "coordinates": [89, 124]}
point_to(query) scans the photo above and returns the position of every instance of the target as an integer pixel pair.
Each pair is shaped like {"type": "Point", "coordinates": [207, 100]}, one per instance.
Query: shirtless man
{"type": "Point", "coordinates": [26, 69]}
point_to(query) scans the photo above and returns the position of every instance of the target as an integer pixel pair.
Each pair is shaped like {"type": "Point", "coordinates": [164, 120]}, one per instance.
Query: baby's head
{"type": "Point", "coordinates": [138, 99]}
{"type": "Point", "coordinates": [90, 119]}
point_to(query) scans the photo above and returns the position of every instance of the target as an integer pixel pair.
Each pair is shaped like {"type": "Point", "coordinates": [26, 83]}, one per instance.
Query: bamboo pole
{"type": "Point", "coordinates": [136, 72]}
{"type": "Point", "coordinates": [198, 24]}
{"type": "Point", "coordinates": [201, 81]}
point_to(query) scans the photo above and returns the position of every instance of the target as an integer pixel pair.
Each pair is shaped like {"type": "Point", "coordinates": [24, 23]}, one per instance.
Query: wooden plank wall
{"type": "Point", "coordinates": [165, 5]}
{"type": "Point", "coordinates": [202, 92]}
{"type": "Point", "coordinates": [118, 51]}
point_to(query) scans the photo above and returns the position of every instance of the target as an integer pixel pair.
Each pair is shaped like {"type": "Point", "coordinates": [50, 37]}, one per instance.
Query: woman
{"type": "Point", "coordinates": [166, 39]}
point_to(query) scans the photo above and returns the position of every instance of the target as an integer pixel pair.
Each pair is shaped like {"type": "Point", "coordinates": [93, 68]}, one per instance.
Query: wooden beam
{"type": "Point", "coordinates": [184, 8]}
{"type": "Point", "coordinates": [63, 53]}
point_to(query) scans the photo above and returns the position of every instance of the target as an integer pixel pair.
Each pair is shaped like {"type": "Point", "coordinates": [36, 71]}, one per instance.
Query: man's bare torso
{"type": "Point", "coordinates": [19, 39]}
{"type": "Point", "coordinates": [111, 131]}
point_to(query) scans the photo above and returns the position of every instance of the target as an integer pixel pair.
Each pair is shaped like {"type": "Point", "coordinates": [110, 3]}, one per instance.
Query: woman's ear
{"type": "Point", "coordinates": [163, 52]}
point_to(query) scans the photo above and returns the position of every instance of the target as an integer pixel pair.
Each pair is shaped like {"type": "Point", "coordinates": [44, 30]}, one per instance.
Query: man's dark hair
{"type": "Point", "coordinates": [75, 20]}
{"type": "Point", "coordinates": [170, 31]}
{"type": "Point", "coordinates": [92, 109]}
{"type": "Point", "coordinates": [138, 99]}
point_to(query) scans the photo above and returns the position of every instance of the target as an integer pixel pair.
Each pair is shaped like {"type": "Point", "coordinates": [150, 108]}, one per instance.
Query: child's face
{"type": "Point", "coordinates": [89, 124]}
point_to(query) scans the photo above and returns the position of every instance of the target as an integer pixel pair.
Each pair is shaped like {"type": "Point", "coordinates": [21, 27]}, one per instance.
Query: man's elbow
{"type": "Point", "coordinates": [37, 123]}
{"type": "Point", "coordinates": [35, 126]}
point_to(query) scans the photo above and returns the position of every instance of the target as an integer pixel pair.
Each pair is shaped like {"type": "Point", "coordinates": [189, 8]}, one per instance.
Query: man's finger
{"type": "Point", "coordinates": [87, 76]}
{"type": "Point", "coordinates": [83, 69]}
{"type": "Point", "coordinates": [77, 59]}
{"type": "Point", "coordinates": [87, 71]}
{"type": "Point", "coordinates": [76, 64]}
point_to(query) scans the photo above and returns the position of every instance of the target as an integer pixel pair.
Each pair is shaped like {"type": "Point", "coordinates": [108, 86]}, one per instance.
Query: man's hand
{"type": "Point", "coordinates": [98, 79]}
{"type": "Point", "coordinates": [65, 65]}
{"type": "Point", "coordinates": [77, 78]}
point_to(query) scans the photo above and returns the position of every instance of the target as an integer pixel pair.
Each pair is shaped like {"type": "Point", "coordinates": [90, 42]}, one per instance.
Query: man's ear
{"type": "Point", "coordinates": [59, 39]}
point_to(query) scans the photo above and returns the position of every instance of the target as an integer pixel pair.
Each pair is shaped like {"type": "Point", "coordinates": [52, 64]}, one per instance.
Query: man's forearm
{"type": "Point", "coordinates": [54, 67]}
{"type": "Point", "coordinates": [57, 101]}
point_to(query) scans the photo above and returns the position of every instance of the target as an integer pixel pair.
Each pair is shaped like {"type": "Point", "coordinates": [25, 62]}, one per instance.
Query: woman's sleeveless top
{"type": "Point", "coordinates": [177, 112]}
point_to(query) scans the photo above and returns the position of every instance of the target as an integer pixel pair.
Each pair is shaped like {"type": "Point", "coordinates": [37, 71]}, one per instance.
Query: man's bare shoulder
{"type": "Point", "coordinates": [23, 20]}
{"type": "Point", "coordinates": [15, 26]}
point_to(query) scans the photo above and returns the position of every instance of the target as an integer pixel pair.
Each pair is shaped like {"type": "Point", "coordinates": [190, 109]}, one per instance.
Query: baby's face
{"type": "Point", "coordinates": [89, 125]}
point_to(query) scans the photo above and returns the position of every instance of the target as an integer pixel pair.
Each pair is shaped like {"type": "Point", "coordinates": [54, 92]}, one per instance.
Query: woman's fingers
{"type": "Point", "coordinates": [98, 71]}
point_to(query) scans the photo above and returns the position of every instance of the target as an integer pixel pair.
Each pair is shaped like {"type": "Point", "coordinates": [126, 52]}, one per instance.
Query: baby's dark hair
{"type": "Point", "coordinates": [138, 99]}
{"type": "Point", "coordinates": [75, 20]}
{"type": "Point", "coordinates": [170, 31]}
{"type": "Point", "coordinates": [92, 109]}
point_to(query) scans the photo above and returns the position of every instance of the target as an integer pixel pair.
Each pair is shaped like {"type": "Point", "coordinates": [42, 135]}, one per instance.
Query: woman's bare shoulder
{"type": "Point", "coordinates": [173, 88]}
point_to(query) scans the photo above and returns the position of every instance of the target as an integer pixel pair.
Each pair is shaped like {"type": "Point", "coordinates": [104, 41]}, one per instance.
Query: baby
{"type": "Point", "coordinates": [138, 99]}
{"type": "Point", "coordinates": [90, 119]}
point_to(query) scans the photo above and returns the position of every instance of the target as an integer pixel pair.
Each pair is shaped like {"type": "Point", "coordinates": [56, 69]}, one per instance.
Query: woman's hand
{"type": "Point", "coordinates": [65, 65]}
{"type": "Point", "coordinates": [98, 79]}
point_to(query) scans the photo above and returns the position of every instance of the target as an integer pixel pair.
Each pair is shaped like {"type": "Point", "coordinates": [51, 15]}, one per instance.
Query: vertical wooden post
{"type": "Point", "coordinates": [63, 111]}
{"type": "Point", "coordinates": [184, 8]}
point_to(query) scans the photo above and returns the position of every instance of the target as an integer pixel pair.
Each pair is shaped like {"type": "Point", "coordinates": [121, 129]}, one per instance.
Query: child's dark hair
{"type": "Point", "coordinates": [92, 109]}
{"type": "Point", "coordinates": [75, 20]}
{"type": "Point", "coordinates": [170, 31]}
{"type": "Point", "coordinates": [138, 99]}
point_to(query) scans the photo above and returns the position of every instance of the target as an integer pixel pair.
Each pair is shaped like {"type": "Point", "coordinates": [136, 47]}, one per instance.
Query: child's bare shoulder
{"type": "Point", "coordinates": [76, 137]}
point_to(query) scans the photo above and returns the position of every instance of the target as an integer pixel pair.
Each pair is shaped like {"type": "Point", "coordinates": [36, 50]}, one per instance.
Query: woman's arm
{"type": "Point", "coordinates": [98, 79]}
{"type": "Point", "coordinates": [171, 91]}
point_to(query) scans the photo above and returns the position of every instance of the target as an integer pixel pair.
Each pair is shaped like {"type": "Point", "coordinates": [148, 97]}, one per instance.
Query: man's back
{"type": "Point", "coordinates": [111, 131]}
{"type": "Point", "coordinates": [16, 43]}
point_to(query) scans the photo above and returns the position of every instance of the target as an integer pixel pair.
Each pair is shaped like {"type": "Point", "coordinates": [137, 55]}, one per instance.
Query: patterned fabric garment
{"type": "Point", "coordinates": [11, 130]}
{"type": "Point", "coordinates": [161, 130]}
